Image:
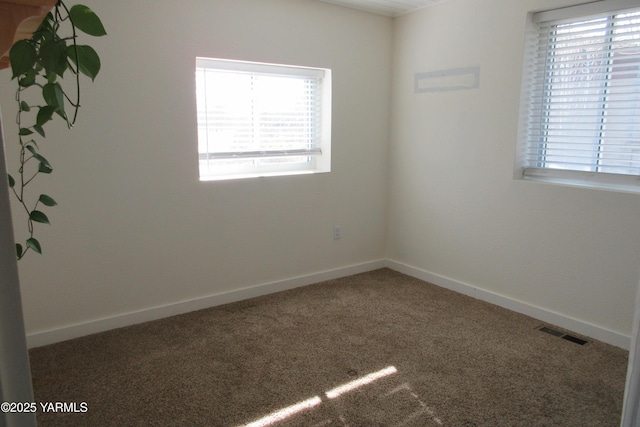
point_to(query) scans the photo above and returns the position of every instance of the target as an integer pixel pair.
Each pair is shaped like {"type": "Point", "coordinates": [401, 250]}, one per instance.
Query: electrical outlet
{"type": "Point", "coordinates": [337, 232]}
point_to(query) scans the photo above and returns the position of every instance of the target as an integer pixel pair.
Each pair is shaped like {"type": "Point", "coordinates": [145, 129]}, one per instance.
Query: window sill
{"type": "Point", "coordinates": [257, 175]}
{"type": "Point", "coordinates": [592, 180]}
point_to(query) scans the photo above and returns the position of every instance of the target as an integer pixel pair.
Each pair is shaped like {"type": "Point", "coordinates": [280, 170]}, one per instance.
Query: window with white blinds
{"type": "Point", "coordinates": [257, 119]}
{"type": "Point", "coordinates": [582, 95]}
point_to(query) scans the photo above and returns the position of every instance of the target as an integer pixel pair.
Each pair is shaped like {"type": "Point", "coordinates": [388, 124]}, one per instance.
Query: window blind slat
{"type": "Point", "coordinates": [262, 154]}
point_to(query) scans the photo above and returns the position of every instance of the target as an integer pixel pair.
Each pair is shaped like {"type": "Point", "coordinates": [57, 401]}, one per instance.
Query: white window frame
{"type": "Point", "coordinates": [308, 154]}
{"type": "Point", "coordinates": [530, 135]}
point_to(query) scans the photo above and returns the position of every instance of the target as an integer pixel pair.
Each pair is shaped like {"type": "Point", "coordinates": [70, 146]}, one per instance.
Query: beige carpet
{"type": "Point", "coordinates": [374, 349]}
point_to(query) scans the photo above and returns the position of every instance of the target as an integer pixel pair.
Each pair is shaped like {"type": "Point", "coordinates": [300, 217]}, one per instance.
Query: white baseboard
{"type": "Point", "coordinates": [581, 327]}
{"type": "Point", "coordinates": [40, 338]}
{"type": "Point", "coordinates": [37, 339]}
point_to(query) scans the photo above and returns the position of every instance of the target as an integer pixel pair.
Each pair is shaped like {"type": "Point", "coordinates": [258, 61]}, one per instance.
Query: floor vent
{"type": "Point", "coordinates": [562, 335]}
{"type": "Point", "coordinates": [574, 339]}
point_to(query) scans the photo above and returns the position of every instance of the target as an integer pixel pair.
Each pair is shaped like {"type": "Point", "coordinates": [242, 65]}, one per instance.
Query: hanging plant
{"type": "Point", "coordinates": [39, 65]}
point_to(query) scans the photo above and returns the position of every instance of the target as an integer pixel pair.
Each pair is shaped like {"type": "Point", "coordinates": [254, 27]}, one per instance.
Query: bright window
{"type": "Point", "coordinates": [258, 119]}
{"type": "Point", "coordinates": [581, 99]}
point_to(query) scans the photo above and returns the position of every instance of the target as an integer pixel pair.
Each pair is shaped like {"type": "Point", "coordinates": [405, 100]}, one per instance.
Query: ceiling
{"type": "Point", "coordinates": [386, 7]}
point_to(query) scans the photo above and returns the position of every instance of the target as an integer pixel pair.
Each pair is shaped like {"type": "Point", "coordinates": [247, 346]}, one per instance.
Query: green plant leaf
{"type": "Point", "coordinates": [34, 244]}
{"type": "Point", "coordinates": [43, 168]}
{"type": "Point", "coordinates": [19, 250]}
{"type": "Point", "coordinates": [38, 216]}
{"type": "Point", "coordinates": [43, 161]}
{"type": "Point", "coordinates": [38, 156]}
{"type": "Point", "coordinates": [47, 200]}
{"type": "Point", "coordinates": [24, 106]}
{"type": "Point", "coordinates": [32, 149]}
{"type": "Point", "coordinates": [23, 57]}
{"type": "Point", "coordinates": [52, 77]}
{"type": "Point", "coordinates": [54, 95]}
{"type": "Point", "coordinates": [53, 55]}
{"type": "Point", "coordinates": [24, 132]}
{"type": "Point", "coordinates": [12, 182]}
{"type": "Point", "coordinates": [87, 59]}
{"type": "Point", "coordinates": [64, 117]}
{"type": "Point", "coordinates": [44, 115]}
{"type": "Point", "coordinates": [39, 129]}
{"type": "Point", "coordinates": [86, 20]}
{"type": "Point", "coordinates": [29, 79]}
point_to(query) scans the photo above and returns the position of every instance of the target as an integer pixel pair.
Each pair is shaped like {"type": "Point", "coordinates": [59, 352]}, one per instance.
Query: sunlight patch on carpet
{"type": "Point", "coordinates": [367, 379]}
{"type": "Point", "coordinates": [290, 411]}
{"type": "Point", "coordinates": [284, 413]}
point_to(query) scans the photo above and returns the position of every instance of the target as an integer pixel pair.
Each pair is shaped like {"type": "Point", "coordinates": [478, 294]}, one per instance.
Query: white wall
{"type": "Point", "coordinates": [456, 212]}
{"type": "Point", "coordinates": [135, 229]}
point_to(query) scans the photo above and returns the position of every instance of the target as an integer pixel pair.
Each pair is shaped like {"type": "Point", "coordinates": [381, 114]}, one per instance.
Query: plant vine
{"type": "Point", "coordinates": [39, 64]}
